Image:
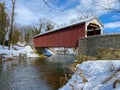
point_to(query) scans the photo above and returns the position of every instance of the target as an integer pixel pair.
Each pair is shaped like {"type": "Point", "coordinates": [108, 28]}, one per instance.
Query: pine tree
{"type": "Point", "coordinates": [3, 23]}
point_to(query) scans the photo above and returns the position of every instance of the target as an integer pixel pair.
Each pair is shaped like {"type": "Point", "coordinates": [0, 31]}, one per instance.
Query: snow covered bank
{"type": "Point", "coordinates": [95, 75]}
{"type": "Point", "coordinates": [16, 51]}
{"type": "Point", "coordinates": [27, 50]}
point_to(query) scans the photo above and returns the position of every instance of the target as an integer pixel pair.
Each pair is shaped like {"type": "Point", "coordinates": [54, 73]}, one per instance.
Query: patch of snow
{"type": "Point", "coordinates": [71, 51]}
{"type": "Point", "coordinates": [97, 73]}
{"type": "Point", "coordinates": [62, 50]}
{"type": "Point", "coordinates": [27, 50]}
{"type": "Point", "coordinates": [21, 44]}
{"type": "Point", "coordinates": [16, 51]}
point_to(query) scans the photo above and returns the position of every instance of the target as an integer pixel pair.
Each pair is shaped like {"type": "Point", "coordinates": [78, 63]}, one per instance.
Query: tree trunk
{"type": "Point", "coordinates": [3, 42]}
{"type": "Point", "coordinates": [11, 26]}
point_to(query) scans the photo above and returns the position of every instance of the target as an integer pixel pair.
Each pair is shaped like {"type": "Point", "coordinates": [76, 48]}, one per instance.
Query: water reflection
{"type": "Point", "coordinates": [34, 73]}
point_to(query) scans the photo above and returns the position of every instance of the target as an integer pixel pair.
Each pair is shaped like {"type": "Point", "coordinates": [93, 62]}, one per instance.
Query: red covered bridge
{"type": "Point", "coordinates": [68, 36]}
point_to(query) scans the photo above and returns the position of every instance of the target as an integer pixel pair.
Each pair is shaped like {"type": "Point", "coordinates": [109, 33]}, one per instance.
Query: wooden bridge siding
{"type": "Point", "coordinates": [62, 38]}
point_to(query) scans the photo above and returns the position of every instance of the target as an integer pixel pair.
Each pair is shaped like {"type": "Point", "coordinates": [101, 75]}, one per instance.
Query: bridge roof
{"type": "Point", "coordinates": [70, 25]}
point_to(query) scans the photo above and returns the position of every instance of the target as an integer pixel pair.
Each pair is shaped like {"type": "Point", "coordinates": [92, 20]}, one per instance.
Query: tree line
{"type": "Point", "coordinates": [11, 33]}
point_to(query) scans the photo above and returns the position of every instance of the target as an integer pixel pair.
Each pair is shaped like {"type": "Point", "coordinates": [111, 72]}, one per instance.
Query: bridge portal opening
{"type": "Point", "coordinates": [93, 29]}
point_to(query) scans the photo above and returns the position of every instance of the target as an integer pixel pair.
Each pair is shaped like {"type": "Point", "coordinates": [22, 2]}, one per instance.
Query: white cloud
{"type": "Point", "coordinates": [96, 7]}
{"type": "Point", "coordinates": [25, 16]}
{"type": "Point", "coordinates": [112, 25]}
{"type": "Point", "coordinates": [28, 12]}
{"type": "Point", "coordinates": [31, 13]}
{"type": "Point", "coordinates": [65, 16]}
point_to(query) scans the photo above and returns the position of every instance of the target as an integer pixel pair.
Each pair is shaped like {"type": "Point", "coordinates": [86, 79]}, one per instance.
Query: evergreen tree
{"type": "Point", "coordinates": [3, 23]}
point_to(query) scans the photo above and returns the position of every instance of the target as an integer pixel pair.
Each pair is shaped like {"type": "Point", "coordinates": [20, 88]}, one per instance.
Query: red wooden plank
{"type": "Point", "coordinates": [67, 37]}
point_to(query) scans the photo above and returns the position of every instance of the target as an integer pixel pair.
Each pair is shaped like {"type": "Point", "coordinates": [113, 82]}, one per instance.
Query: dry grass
{"type": "Point", "coordinates": [80, 72]}
{"type": "Point", "coordinates": [63, 80]}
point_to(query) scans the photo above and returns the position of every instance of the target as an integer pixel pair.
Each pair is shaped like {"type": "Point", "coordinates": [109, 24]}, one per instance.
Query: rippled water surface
{"type": "Point", "coordinates": [34, 73]}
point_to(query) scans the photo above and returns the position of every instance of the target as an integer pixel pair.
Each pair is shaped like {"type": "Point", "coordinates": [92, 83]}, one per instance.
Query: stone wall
{"type": "Point", "coordinates": [98, 46]}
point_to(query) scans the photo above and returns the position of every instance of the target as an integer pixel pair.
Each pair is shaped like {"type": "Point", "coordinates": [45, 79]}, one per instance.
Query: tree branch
{"type": "Point", "coordinates": [48, 5]}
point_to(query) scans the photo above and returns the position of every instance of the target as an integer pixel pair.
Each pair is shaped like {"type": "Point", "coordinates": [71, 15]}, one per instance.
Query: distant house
{"type": "Point", "coordinates": [67, 36]}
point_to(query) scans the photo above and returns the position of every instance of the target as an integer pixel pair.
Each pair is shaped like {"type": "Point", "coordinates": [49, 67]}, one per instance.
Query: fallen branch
{"type": "Point", "coordinates": [112, 76]}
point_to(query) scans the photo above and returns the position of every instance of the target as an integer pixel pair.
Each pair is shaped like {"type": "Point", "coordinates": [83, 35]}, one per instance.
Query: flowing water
{"type": "Point", "coordinates": [35, 73]}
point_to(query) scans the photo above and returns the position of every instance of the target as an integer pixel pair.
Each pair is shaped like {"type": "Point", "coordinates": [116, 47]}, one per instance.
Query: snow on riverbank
{"type": "Point", "coordinates": [95, 75]}
{"type": "Point", "coordinates": [16, 51]}
{"type": "Point", "coordinates": [63, 50]}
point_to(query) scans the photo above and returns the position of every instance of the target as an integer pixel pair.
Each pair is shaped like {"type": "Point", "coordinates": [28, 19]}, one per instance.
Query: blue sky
{"type": "Point", "coordinates": [28, 12]}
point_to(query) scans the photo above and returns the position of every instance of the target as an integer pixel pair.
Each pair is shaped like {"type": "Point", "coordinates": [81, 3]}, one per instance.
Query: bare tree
{"type": "Point", "coordinates": [49, 25]}
{"type": "Point", "coordinates": [82, 17]}
{"type": "Point", "coordinates": [47, 3]}
{"type": "Point", "coordinates": [11, 24]}
{"type": "Point", "coordinates": [45, 24]}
